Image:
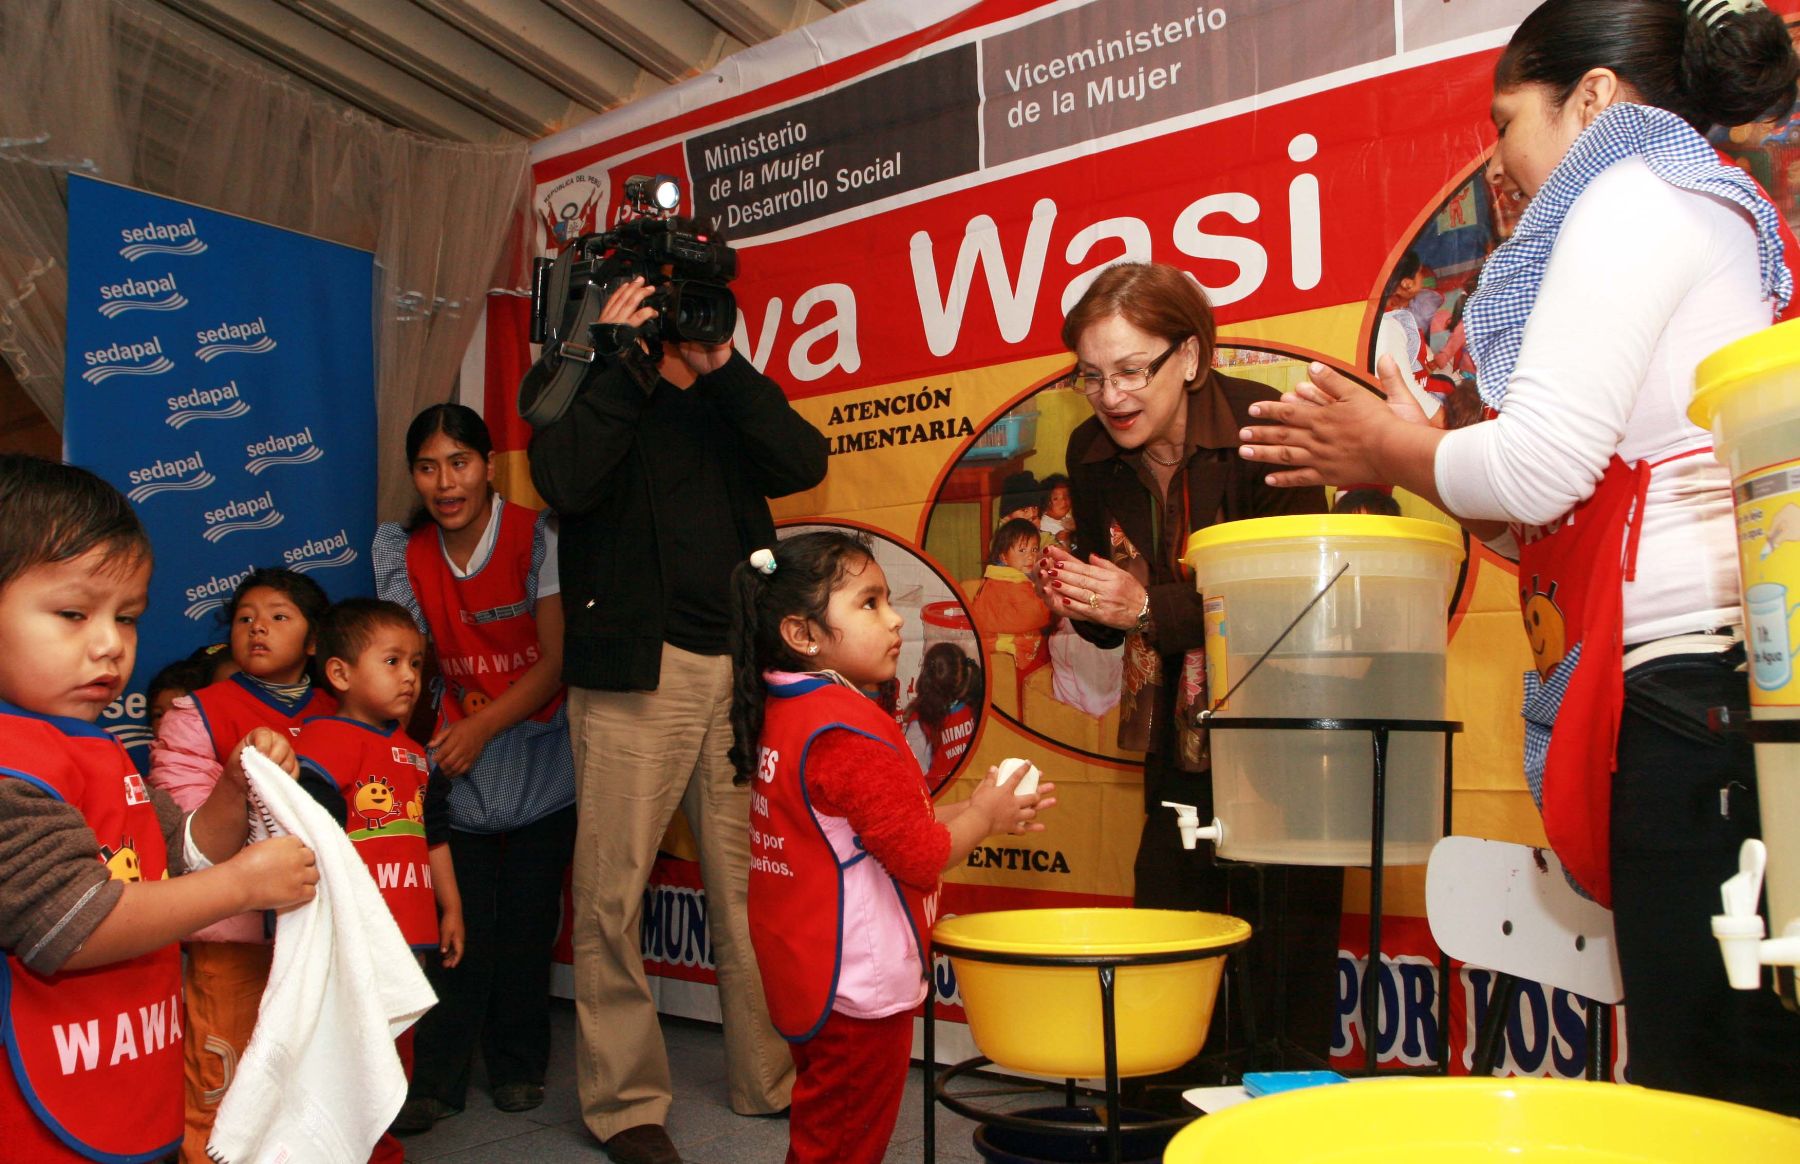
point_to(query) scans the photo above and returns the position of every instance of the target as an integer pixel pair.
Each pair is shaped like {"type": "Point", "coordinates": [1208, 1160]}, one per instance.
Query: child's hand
{"type": "Point", "coordinates": [450, 937]}
{"type": "Point", "coordinates": [1009, 813]}
{"type": "Point", "coordinates": [271, 744]}
{"type": "Point", "coordinates": [456, 749]}
{"type": "Point", "coordinates": [275, 874]}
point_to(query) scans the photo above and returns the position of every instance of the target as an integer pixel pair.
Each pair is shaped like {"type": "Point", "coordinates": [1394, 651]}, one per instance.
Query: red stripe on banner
{"type": "Point", "coordinates": [508, 356]}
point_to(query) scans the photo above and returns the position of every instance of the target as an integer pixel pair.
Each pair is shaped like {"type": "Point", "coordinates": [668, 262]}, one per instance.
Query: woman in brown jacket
{"type": "Point", "coordinates": [1157, 461]}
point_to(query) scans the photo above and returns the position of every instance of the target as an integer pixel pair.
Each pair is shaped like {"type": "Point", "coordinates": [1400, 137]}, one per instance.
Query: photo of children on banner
{"type": "Point", "coordinates": [1061, 686]}
{"type": "Point", "coordinates": [1009, 615]}
{"type": "Point", "coordinates": [938, 690]}
{"type": "Point", "coordinates": [1057, 523]}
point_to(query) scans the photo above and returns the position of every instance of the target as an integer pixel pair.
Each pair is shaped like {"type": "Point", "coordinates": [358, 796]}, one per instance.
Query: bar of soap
{"type": "Point", "coordinates": [1024, 770]}
{"type": "Point", "coordinates": [1272, 1082]}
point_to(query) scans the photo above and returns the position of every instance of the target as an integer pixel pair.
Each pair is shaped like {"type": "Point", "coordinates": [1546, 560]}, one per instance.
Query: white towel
{"type": "Point", "coordinates": [320, 1080]}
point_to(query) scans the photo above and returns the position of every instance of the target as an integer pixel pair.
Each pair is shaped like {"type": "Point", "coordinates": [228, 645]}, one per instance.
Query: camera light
{"type": "Point", "coordinates": [661, 192]}
{"type": "Point", "coordinates": [666, 193]}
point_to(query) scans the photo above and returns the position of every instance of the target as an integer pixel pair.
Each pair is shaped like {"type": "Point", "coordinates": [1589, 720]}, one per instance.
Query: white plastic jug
{"type": "Point", "coordinates": [1372, 646]}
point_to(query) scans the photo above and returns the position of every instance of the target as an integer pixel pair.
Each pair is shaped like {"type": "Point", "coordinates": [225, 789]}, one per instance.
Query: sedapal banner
{"type": "Point", "coordinates": [221, 374]}
{"type": "Point", "coordinates": [918, 190]}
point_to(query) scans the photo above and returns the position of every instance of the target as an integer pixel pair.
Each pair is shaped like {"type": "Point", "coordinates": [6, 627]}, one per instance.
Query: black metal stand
{"type": "Point", "coordinates": [1379, 730]}
{"type": "Point", "coordinates": [1106, 968]}
{"type": "Point", "coordinates": [1773, 731]}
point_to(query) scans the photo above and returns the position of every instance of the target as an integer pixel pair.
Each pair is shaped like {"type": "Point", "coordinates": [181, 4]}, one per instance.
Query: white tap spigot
{"type": "Point", "coordinates": [1739, 929]}
{"type": "Point", "coordinates": [1187, 820]}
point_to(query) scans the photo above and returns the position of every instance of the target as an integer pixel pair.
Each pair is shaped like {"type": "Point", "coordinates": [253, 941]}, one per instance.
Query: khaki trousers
{"type": "Point", "coordinates": [640, 755]}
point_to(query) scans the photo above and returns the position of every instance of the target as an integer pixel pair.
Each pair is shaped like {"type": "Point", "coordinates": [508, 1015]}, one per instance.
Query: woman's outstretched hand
{"type": "Point", "coordinates": [1331, 430]}
{"type": "Point", "coordinates": [1095, 590]}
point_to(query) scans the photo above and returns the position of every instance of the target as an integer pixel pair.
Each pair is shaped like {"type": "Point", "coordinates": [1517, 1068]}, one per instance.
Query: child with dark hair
{"type": "Point", "coordinates": [1008, 614]}
{"type": "Point", "coordinates": [812, 632]}
{"type": "Point", "coordinates": [1378, 502]}
{"type": "Point", "coordinates": [1021, 496]}
{"type": "Point", "coordinates": [940, 724]}
{"type": "Point", "coordinates": [372, 656]}
{"type": "Point", "coordinates": [217, 659]}
{"type": "Point", "coordinates": [182, 677]}
{"type": "Point", "coordinates": [271, 619]}
{"type": "Point", "coordinates": [1057, 522]}
{"type": "Point", "coordinates": [99, 874]}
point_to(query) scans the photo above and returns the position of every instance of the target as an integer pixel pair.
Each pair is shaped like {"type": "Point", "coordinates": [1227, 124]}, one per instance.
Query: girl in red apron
{"type": "Point", "coordinates": [1639, 254]}
{"type": "Point", "coordinates": [271, 619]}
{"type": "Point", "coordinates": [844, 838]}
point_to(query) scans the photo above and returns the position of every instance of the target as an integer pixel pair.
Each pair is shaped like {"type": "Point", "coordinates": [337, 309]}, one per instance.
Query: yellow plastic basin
{"type": "Point", "coordinates": [1400, 1121]}
{"type": "Point", "coordinates": [1046, 1019]}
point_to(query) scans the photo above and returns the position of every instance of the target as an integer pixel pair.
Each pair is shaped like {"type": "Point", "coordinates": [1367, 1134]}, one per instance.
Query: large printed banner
{"type": "Point", "coordinates": [221, 373]}
{"type": "Point", "coordinates": [919, 189]}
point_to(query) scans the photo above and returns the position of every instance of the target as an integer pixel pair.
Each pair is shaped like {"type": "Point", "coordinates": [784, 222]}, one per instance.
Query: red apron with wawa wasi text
{"type": "Point", "coordinates": [382, 774]}
{"type": "Point", "coordinates": [93, 1057]}
{"type": "Point", "coordinates": [484, 625]}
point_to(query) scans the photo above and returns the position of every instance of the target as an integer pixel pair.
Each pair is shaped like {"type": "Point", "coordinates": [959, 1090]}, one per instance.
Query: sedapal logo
{"type": "Point", "coordinates": [160, 238]}
{"type": "Point", "coordinates": [185, 475]}
{"type": "Point", "coordinates": [122, 359]}
{"type": "Point", "coordinates": [221, 403]}
{"type": "Point", "coordinates": [320, 553]}
{"type": "Point", "coordinates": [249, 338]}
{"type": "Point", "coordinates": [295, 448]}
{"type": "Point", "coordinates": [131, 735]}
{"type": "Point", "coordinates": [141, 295]}
{"type": "Point", "coordinates": [212, 594]}
{"type": "Point", "coordinates": [241, 516]}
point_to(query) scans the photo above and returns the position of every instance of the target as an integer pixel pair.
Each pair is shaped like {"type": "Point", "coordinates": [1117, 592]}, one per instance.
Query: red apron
{"type": "Point", "coordinates": [93, 1057]}
{"type": "Point", "coordinates": [954, 735]}
{"type": "Point", "coordinates": [1571, 592]}
{"type": "Point", "coordinates": [483, 626]}
{"type": "Point", "coordinates": [382, 775]}
{"type": "Point", "coordinates": [798, 878]}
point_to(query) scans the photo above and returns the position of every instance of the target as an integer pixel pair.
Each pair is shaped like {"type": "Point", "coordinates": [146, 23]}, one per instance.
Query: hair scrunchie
{"type": "Point", "coordinates": [763, 560]}
{"type": "Point", "coordinates": [1710, 12]}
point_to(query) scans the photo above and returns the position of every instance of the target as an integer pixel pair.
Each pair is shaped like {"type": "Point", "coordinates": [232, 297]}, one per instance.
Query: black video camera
{"type": "Point", "coordinates": [686, 269]}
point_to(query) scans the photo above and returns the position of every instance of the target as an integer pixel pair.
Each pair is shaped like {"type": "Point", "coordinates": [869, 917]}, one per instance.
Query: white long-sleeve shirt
{"type": "Point", "coordinates": [1645, 280]}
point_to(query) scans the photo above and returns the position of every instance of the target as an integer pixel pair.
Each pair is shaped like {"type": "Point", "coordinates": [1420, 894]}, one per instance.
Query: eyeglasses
{"type": "Point", "coordinates": [1125, 379]}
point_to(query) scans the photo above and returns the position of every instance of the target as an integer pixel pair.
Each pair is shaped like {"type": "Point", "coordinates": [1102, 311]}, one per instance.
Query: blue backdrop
{"type": "Point", "coordinates": [221, 373]}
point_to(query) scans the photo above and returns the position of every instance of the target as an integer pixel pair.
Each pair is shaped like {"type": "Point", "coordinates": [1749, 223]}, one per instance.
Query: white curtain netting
{"type": "Point", "coordinates": [129, 92]}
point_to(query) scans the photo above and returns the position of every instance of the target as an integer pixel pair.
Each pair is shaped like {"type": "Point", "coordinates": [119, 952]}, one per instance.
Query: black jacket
{"type": "Point", "coordinates": [591, 466]}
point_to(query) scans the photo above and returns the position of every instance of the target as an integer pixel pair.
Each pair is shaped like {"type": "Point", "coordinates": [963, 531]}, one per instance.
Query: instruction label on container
{"type": "Point", "coordinates": [1768, 526]}
{"type": "Point", "coordinates": [1218, 677]}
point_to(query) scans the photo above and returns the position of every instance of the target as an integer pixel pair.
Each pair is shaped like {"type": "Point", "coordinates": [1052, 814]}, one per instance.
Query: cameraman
{"type": "Point", "coordinates": [660, 470]}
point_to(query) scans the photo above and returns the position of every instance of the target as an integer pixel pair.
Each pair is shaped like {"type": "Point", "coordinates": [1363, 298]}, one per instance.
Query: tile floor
{"type": "Point", "coordinates": [702, 1125]}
